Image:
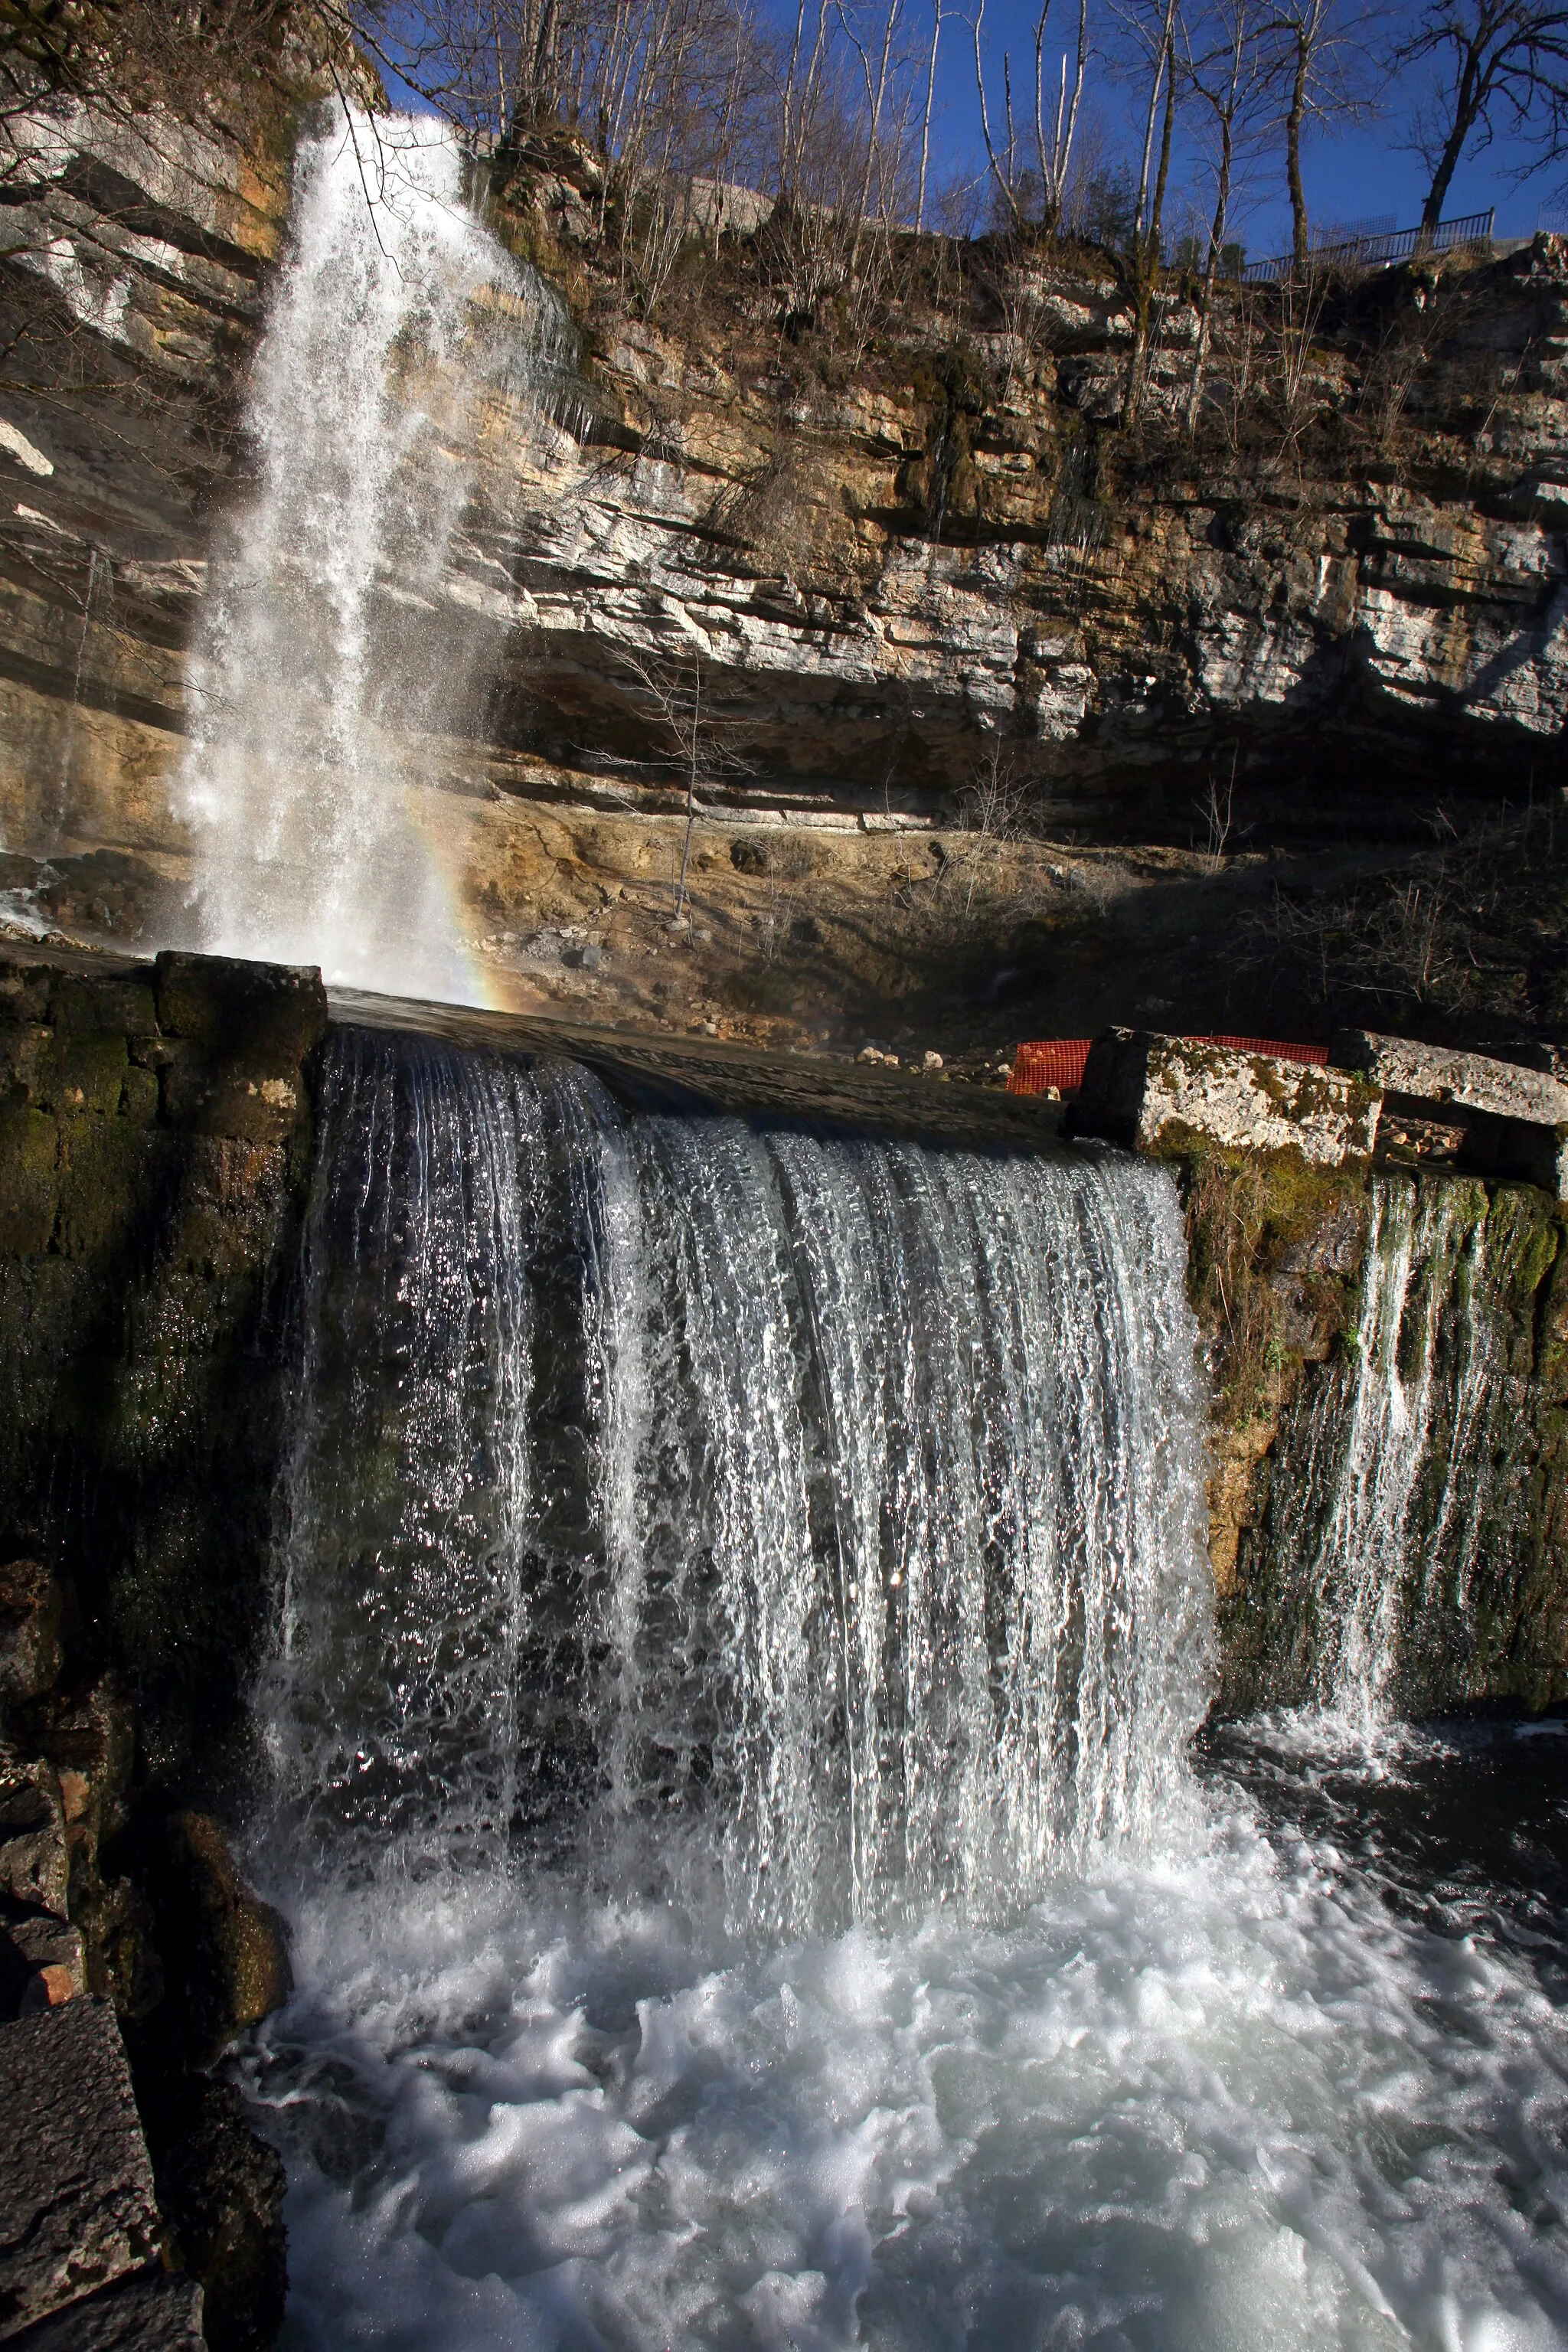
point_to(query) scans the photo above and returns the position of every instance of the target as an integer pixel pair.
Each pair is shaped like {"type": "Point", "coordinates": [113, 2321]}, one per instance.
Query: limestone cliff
{"type": "Point", "coordinates": [1122, 682]}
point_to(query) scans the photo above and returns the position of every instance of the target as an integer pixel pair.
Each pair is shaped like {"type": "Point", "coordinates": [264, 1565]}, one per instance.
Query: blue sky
{"type": "Point", "coordinates": [1363, 172]}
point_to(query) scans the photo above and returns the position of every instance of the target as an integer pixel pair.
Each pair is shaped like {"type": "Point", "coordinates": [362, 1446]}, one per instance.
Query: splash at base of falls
{"type": "Point", "coordinates": [1225, 2100]}
{"type": "Point", "coordinates": [328, 648]}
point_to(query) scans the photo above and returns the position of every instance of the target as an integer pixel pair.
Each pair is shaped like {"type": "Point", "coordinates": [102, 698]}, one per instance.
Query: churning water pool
{"type": "Point", "coordinates": [1297, 2081]}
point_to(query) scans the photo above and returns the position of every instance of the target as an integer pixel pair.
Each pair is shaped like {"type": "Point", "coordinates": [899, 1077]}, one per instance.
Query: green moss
{"type": "Point", "coordinates": [1266, 1289]}
{"type": "Point", "coordinates": [28, 1188]}
{"type": "Point", "coordinates": [109, 1172]}
{"type": "Point", "coordinates": [1524, 1235]}
{"type": "Point", "coordinates": [92, 1069]}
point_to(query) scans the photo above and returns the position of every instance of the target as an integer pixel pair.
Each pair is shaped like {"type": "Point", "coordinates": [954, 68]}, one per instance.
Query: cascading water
{"type": "Point", "coordinates": [1397, 1468]}
{"type": "Point", "coordinates": [329, 649]}
{"type": "Point", "coordinates": [847, 1492]}
{"type": "Point", "coordinates": [742, 1614]}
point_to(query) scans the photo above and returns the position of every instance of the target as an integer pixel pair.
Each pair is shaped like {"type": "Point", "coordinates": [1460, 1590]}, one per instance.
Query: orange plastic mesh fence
{"type": "Point", "coordinates": [1058, 1061]}
{"type": "Point", "coordinates": [1055, 1062]}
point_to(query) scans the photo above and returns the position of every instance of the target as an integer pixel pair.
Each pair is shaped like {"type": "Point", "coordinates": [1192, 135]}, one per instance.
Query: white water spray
{"type": "Point", "coordinates": [886, 1583]}
{"type": "Point", "coordinates": [1388, 1529]}
{"type": "Point", "coordinates": [329, 656]}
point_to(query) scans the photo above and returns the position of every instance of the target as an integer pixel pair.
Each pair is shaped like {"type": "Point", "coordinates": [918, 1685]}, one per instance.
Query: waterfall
{"type": "Point", "coordinates": [807, 1526]}
{"type": "Point", "coordinates": [742, 1614]}
{"type": "Point", "coordinates": [1393, 1478]}
{"type": "Point", "coordinates": [332, 654]}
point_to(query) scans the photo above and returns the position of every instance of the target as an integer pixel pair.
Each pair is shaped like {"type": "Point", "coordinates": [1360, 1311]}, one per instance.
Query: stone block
{"type": "Point", "coordinates": [1508, 1122]}
{"type": "Point", "coordinates": [237, 1105]}
{"type": "Point", "coordinates": [77, 2210]}
{"type": "Point", "coordinates": [35, 1867]}
{"type": "Point", "coordinates": [139, 1095]}
{"type": "Point", "coordinates": [1161, 1094]}
{"type": "Point", "coordinates": [102, 1004]}
{"type": "Point", "coordinates": [29, 1062]}
{"type": "Point", "coordinates": [29, 1144]}
{"type": "Point", "coordinates": [110, 1171]}
{"type": "Point", "coordinates": [29, 1629]}
{"type": "Point", "coordinates": [55, 1959]}
{"type": "Point", "coordinates": [237, 1038]}
{"type": "Point", "coordinates": [270, 1013]}
{"type": "Point", "coordinates": [24, 990]}
{"type": "Point", "coordinates": [92, 1071]}
{"type": "Point", "coordinates": [1437, 1073]}
{"type": "Point", "coordinates": [148, 2314]}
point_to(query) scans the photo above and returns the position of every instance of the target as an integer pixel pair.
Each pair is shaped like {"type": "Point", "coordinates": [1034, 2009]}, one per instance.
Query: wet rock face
{"type": "Point", "coordinates": [1281, 1260]}
{"type": "Point", "coordinates": [152, 1144]}
{"type": "Point", "coordinates": [30, 1610]}
{"type": "Point", "coordinates": [222, 2190]}
{"type": "Point", "coordinates": [154, 1138]}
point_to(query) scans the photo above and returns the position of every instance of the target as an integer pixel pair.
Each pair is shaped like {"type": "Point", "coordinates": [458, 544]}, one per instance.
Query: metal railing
{"type": "Point", "coordinates": [1377, 252]}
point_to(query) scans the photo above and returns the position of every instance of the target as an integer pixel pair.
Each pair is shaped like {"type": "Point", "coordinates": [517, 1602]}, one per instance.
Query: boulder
{"type": "Point", "coordinates": [77, 2207]}
{"type": "Point", "coordinates": [1160, 1093]}
{"type": "Point", "coordinates": [34, 1868]}
{"type": "Point", "coordinates": [226, 1951]}
{"type": "Point", "coordinates": [29, 1629]}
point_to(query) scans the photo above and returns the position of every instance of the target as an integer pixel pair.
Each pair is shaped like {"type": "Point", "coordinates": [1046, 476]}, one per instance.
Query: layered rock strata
{"type": "Point", "coordinates": [939, 586]}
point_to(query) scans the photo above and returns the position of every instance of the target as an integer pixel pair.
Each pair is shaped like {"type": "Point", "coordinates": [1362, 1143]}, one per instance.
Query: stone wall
{"type": "Point", "coordinates": [154, 1146]}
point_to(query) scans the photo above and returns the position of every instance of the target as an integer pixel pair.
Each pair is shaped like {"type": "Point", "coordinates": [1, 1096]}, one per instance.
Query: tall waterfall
{"type": "Point", "coordinates": [814, 1521]}
{"type": "Point", "coordinates": [330, 649]}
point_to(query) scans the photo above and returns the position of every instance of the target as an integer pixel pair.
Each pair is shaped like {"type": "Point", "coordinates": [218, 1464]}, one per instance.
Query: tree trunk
{"type": "Point", "coordinates": [925, 134]}
{"type": "Point", "coordinates": [1470, 99]}
{"type": "Point", "coordinates": [1217, 240]}
{"type": "Point", "coordinates": [1149, 242]}
{"type": "Point", "coordinates": [1293, 119]}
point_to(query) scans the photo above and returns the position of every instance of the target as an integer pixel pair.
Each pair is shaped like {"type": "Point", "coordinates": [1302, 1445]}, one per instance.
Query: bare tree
{"type": "Point", "coordinates": [1321, 49]}
{"type": "Point", "coordinates": [1227, 68]}
{"type": "Point", "coordinates": [1031, 178]}
{"type": "Point", "coordinates": [675, 699]}
{"type": "Point", "coordinates": [1055, 149]}
{"type": "Point", "coordinates": [1497, 65]}
{"type": "Point", "coordinates": [1149, 29]}
{"type": "Point", "coordinates": [936, 16]}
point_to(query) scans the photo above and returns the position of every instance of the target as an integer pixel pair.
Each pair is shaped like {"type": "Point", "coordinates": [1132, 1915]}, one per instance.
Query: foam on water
{"type": "Point", "coordinates": [1216, 2102]}
{"type": "Point", "coordinates": [742, 1615]}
